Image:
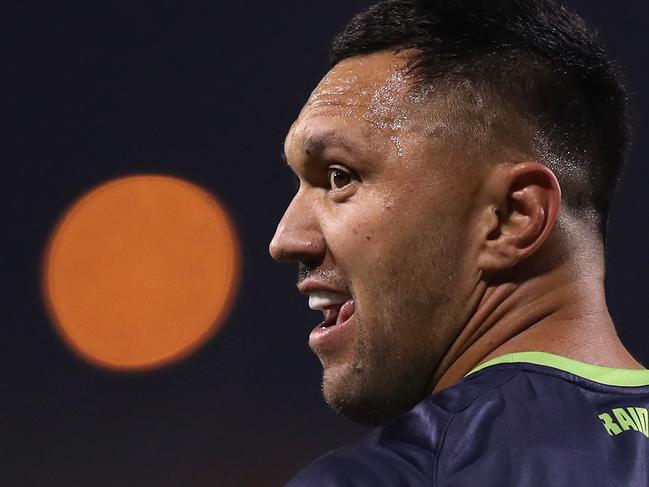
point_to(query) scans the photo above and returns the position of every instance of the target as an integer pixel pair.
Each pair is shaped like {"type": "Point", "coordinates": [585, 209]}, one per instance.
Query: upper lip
{"type": "Point", "coordinates": [309, 285]}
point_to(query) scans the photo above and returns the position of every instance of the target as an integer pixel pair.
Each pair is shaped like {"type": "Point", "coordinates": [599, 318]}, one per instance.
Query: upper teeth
{"type": "Point", "coordinates": [324, 299]}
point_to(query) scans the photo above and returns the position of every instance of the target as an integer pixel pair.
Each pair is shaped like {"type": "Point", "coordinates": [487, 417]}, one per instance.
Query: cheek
{"type": "Point", "coordinates": [388, 244]}
{"type": "Point", "coordinates": [373, 249]}
{"type": "Point", "coordinates": [401, 257]}
{"type": "Point", "coordinates": [360, 237]}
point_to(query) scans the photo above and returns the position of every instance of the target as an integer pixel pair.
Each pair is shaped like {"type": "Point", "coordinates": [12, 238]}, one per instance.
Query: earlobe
{"type": "Point", "coordinates": [523, 204]}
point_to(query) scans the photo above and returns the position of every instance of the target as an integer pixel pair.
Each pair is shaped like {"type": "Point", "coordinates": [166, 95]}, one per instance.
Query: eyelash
{"type": "Point", "coordinates": [295, 179]}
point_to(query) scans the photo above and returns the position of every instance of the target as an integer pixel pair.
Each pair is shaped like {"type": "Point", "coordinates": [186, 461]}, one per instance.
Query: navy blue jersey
{"type": "Point", "coordinates": [523, 419]}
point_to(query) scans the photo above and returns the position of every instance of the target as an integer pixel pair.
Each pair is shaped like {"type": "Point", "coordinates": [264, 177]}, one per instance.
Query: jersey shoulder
{"type": "Point", "coordinates": [404, 452]}
{"type": "Point", "coordinates": [527, 419]}
{"type": "Point", "coordinates": [549, 426]}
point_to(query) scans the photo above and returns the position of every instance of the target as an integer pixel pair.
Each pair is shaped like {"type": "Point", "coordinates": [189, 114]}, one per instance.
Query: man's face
{"type": "Point", "coordinates": [380, 222]}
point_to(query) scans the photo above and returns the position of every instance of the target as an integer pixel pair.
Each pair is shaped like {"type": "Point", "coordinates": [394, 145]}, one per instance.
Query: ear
{"type": "Point", "coordinates": [522, 204]}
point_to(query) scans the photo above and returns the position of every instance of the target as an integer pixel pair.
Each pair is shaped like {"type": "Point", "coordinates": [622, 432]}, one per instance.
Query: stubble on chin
{"type": "Point", "coordinates": [364, 387]}
{"type": "Point", "coordinates": [387, 370]}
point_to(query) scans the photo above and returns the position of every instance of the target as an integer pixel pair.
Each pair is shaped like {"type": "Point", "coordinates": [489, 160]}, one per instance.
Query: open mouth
{"type": "Point", "coordinates": [337, 314]}
{"type": "Point", "coordinates": [336, 307]}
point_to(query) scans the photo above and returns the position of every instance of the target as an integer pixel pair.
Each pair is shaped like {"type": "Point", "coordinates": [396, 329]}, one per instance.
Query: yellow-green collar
{"type": "Point", "coordinates": [596, 373]}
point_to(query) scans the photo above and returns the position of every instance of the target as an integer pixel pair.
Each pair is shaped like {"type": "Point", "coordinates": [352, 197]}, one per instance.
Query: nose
{"type": "Point", "coordinates": [298, 237]}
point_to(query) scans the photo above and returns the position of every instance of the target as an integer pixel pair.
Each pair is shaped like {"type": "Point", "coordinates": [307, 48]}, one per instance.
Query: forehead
{"type": "Point", "coordinates": [376, 82]}
{"type": "Point", "coordinates": [367, 94]}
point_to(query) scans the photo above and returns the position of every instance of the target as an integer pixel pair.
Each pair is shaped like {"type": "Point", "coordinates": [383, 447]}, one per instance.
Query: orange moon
{"type": "Point", "coordinates": [141, 271]}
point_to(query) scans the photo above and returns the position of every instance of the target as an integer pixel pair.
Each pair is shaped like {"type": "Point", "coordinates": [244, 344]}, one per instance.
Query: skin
{"type": "Point", "coordinates": [449, 262]}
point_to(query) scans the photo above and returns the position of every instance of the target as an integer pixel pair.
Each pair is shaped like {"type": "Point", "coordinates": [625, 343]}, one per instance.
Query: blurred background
{"type": "Point", "coordinates": [203, 91]}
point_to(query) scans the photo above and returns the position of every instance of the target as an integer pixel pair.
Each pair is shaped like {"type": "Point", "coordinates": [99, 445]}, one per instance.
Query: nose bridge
{"type": "Point", "coordinates": [298, 236]}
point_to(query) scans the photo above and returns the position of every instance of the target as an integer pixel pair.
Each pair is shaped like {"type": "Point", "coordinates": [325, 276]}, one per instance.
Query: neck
{"type": "Point", "coordinates": [562, 311]}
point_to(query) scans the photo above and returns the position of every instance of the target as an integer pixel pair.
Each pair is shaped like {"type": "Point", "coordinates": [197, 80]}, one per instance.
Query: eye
{"type": "Point", "coordinates": [339, 178]}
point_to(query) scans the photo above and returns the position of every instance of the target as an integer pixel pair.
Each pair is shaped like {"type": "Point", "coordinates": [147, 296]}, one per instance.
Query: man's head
{"type": "Point", "coordinates": [427, 160]}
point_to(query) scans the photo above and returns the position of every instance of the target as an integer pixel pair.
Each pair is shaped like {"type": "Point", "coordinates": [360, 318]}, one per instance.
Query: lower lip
{"type": "Point", "coordinates": [322, 337]}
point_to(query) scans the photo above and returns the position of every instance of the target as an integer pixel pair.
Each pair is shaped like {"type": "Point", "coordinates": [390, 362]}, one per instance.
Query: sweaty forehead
{"type": "Point", "coordinates": [371, 88]}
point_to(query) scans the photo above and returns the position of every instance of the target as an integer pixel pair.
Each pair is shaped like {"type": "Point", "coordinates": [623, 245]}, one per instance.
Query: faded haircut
{"type": "Point", "coordinates": [529, 73]}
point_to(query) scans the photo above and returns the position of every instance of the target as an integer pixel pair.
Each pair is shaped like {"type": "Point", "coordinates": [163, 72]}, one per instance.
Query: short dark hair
{"type": "Point", "coordinates": [533, 62]}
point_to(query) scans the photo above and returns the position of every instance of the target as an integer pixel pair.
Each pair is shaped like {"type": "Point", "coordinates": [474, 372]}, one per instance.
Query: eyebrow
{"type": "Point", "coordinates": [316, 143]}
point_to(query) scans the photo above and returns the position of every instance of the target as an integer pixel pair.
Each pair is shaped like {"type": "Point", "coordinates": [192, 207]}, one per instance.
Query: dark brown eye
{"type": "Point", "coordinates": [339, 178]}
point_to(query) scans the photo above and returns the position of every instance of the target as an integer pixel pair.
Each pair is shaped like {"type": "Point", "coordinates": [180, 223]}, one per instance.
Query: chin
{"type": "Point", "coordinates": [365, 400]}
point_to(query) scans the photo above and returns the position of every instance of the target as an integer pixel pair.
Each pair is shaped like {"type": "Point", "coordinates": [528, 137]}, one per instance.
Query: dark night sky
{"type": "Point", "coordinates": [204, 91]}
